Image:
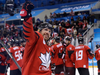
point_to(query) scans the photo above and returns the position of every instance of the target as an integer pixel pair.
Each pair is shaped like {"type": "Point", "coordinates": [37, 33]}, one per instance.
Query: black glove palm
{"type": "Point", "coordinates": [26, 10]}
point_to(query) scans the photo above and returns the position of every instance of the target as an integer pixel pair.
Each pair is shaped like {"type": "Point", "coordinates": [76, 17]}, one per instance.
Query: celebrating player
{"type": "Point", "coordinates": [97, 56]}
{"type": "Point", "coordinates": [80, 57]}
{"type": "Point", "coordinates": [36, 59]}
{"type": "Point", "coordinates": [16, 53]}
{"type": "Point", "coordinates": [57, 47]}
{"type": "Point", "coordinates": [3, 61]}
{"type": "Point", "coordinates": [69, 66]}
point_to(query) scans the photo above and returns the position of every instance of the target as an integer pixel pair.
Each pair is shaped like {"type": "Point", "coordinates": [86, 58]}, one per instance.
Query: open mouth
{"type": "Point", "coordinates": [46, 36]}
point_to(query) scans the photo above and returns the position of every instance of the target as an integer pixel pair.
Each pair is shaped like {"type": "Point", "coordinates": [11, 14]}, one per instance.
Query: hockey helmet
{"type": "Point", "coordinates": [67, 38]}
{"type": "Point", "coordinates": [45, 25]}
{"type": "Point", "coordinates": [97, 46]}
{"type": "Point", "coordinates": [57, 39]}
{"type": "Point", "coordinates": [80, 40]}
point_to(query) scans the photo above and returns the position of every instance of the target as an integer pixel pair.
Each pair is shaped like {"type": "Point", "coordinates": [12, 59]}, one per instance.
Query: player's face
{"type": "Point", "coordinates": [46, 33]}
{"type": "Point", "coordinates": [67, 42]}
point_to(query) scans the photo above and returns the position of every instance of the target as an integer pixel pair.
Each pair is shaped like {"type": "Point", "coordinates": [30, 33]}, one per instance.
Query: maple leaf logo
{"type": "Point", "coordinates": [46, 59]}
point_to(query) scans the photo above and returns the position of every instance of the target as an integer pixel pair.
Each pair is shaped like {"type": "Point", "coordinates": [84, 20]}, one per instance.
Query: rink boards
{"type": "Point", "coordinates": [92, 62]}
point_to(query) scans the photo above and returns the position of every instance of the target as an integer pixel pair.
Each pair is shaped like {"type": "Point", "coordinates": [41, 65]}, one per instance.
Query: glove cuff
{"type": "Point", "coordinates": [25, 14]}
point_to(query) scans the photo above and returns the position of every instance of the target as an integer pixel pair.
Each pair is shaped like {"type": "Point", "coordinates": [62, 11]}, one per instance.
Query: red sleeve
{"type": "Point", "coordinates": [2, 57]}
{"type": "Point", "coordinates": [28, 31]}
{"type": "Point", "coordinates": [89, 52]}
{"type": "Point", "coordinates": [96, 55]}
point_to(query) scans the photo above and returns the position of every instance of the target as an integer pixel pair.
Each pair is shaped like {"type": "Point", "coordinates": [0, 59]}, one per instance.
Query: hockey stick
{"type": "Point", "coordinates": [93, 66]}
{"type": "Point", "coordinates": [10, 55]}
{"type": "Point", "coordinates": [92, 59]}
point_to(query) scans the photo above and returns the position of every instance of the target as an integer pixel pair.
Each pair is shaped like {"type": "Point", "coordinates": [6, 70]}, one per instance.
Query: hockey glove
{"type": "Point", "coordinates": [53, 66]}
{"type": "Point", "coordinates": [26, 10]}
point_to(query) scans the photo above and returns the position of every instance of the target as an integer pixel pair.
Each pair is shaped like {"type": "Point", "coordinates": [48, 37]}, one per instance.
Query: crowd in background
{"type": "Point", "coordinates": [68, 27]}
{"type": "Point", "coordinates": [9, 32]}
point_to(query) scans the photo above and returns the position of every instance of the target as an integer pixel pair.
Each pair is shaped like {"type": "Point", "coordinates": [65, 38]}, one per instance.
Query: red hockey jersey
{"type": "Point", "coordinates": [36, 59]}
{"type": "Point", "coordinates": [81, 55]}
{"type": "Point", "coordinates": [15, 51]}
{"type": "Point", "coordinates": [3, 57]}
{"type": "Point", "coordinates": [69, 50]}
{"type": "Point", "coordinates": [57, 49]}
{"type": "Point", "coordinates": [97, 54]}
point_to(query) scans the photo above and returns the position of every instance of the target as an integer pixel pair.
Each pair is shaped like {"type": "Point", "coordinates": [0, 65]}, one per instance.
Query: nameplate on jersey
{"type": "Point", "coordinates": [79, 47]}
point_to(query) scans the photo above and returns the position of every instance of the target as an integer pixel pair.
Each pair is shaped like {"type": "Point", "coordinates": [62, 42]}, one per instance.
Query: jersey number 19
{"type": "Point", "coordinates": [79, 55]}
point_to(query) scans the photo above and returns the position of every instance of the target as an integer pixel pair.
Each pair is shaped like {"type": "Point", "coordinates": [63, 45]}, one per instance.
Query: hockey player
{"type": "Point", "coordinates": [3, 61]}
{"type": "Point", "coordinates": [80, 57]}
{"type": "Point", "coordinates": [69, 66]}
{"type": "Point", "coordinates": [36, 59]}
{"type": "Point", "coordinates": [97, 56]}
{"type": "Point", "coordinates": [16, 53]}
{"type": "Point", "coordinates": [57, 47]}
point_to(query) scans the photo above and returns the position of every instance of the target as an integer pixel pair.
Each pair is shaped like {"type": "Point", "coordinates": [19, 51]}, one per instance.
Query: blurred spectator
{"type": "Point", "coordinates": [68, 21]}
{"type": "Point", "coordinates": [80, 24]}
{"type": "Point", "coordinates": [50, 21]}
{"type": "Point", "coordinates": [5, 33]}
{"type": "Point", "coordinates": [51, 16]}
{"type": "Point", "coordinates": [79, 34]}
{"type": "Point", "coordinates": [12, 25]}
{"type": "Point", "coordinates": [64, 14]}
{"type": "Point", "coordinates": [52, 2]}
{"type": "Point", "coordinates": [63, 23]}
{"type": "Point", "coordinates": [79, 13]}
{"type": "Point", "coordinates": [72, 19]}
{"type": "Point", "coordinates": [67, 24]}
{"type": "Point", "coordinates": [38, 19]}
{"type": "Point", "coordinates": [37, 23]}
{"type": "Point", "coordinates": [55, 21]}
{"type": "Point", "coordinates": [54, 15]}
{"type": "Point", "coordinates": [74, 32]}
{"type": "Point", "coordinates": [46, 17]}
{"type": "Point", "coordinates": [88, 19]}
{"type": "Point", "coordinates": [55, 27]}
{"type": "Point", "coordinates": [78, 19]}
{"type": "Point", "coordinates": [85, 25]}
{"type": "Point", "coordinates": [71, 13]}
{"type": "Point", "coordinates": [84, 18]}
{"type": "Point", "coordinates": [58, 15]}
{"type": "Point", "coordinates": [72, 24]}
{"type": "Point", "coordinates": [17, 11]}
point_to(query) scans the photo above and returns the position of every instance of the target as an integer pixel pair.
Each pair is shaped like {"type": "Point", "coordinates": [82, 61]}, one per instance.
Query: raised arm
{"type": "Point", "coordinates": [28, 31]}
